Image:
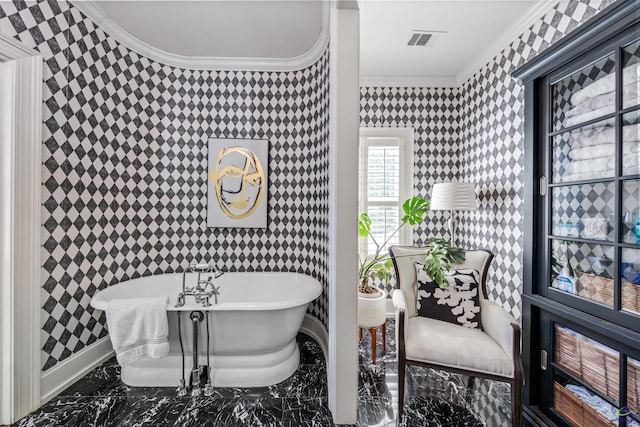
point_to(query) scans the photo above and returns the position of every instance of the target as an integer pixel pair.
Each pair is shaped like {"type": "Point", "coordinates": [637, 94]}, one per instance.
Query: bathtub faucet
{"type": "Point", "coordinates": [204, 288]}
{"type": "Point", "coordinates": [203, 268]}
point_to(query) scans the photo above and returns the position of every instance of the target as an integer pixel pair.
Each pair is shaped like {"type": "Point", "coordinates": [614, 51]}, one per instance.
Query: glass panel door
{"type": "Point", "coordinates": [584, 95]}
{"type": "Point", "coordinates": [593, 136]}
{"type": "Point", "coordinates": [631, 75]}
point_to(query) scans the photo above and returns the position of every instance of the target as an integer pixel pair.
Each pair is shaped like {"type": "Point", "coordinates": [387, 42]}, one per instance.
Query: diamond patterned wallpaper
{"type": "Point", "coordinates": [434, 116]}
{"type": "Point", "coordinates": [124, 168]}
{"type": "Point", "coordinates": [492, 147]}
{"type": "Point", "coordinates": [475, 133]}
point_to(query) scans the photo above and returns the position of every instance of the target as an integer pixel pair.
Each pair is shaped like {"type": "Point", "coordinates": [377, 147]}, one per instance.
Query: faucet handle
{"type": "Point", "coordinates": [180, 301]}
{"type": "Point", "coordinates": [182, 390]}
{"type": "Point", "coordinates": [201, 268]}
{"type": "Point", "coordinates": [195, 391]}
{"type": "Point", "coordinates": [208, 389]}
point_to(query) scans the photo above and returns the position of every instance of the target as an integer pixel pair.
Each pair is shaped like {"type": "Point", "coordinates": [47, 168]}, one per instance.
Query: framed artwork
{"type": "Point", "coordinates": [237, 183]}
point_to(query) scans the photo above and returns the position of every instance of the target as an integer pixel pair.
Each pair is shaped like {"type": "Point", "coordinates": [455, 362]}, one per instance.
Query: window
{"type": "Point", "coordinates": [386, 180]}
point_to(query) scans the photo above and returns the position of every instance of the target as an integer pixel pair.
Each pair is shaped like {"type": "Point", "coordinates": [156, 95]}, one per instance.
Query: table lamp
{"type": "Point", "coordinates": [453, 196]}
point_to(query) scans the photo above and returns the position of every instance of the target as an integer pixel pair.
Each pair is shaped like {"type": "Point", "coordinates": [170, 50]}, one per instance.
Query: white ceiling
{"type": "Point", "coordinates": [475, 31]}
{"type": "Point", "coordinates": [235, 29]}
{"type": "Point", "coordinates": [470, 26]}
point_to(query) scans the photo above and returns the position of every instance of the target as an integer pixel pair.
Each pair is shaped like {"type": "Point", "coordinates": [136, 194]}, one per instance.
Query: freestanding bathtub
{"type": "Point", "coordinates": [252, 328]}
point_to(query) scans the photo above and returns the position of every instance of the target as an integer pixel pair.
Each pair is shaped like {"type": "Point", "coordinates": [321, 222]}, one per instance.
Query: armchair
{"type": "Point", "coordinates": [492, 352]}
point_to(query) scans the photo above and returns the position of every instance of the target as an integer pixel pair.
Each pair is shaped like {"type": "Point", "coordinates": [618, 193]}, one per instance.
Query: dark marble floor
{"type": "Point", "coordinates": [433, 398]}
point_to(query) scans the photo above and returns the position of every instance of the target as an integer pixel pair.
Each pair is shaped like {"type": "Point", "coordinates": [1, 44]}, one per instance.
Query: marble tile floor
{"type": "Point", "coordinates": [433, 398]}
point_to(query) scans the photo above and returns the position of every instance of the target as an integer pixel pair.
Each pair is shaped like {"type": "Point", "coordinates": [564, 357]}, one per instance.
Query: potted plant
{"type": "Point", "coordinates": [439, 254]}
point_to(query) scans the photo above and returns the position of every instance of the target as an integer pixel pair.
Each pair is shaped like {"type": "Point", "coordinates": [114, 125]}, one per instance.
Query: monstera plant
{"type": "Point", "coordinates": [439, 254]}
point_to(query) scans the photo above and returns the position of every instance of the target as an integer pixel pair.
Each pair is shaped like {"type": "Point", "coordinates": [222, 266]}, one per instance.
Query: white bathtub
{"type": "Point", "coordinates": [252, 328]}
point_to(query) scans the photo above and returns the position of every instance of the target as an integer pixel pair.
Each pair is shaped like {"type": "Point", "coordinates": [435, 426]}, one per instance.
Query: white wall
{"type": "Point", "coordinates": [343, 200]}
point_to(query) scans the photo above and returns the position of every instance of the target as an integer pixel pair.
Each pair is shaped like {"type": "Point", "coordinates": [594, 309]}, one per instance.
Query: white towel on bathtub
{"type": "Point", "coordinates": [138, 328]}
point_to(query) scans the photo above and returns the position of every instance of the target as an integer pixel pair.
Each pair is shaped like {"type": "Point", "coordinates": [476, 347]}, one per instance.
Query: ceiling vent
{"type": "Point", "coordinates": [424, 38]}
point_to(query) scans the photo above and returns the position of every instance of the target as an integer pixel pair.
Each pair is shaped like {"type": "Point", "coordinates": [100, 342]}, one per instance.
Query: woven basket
{"type": "Point", "coordinates": [576, 411]}
{"type": "Point", "coordinates": [600, 289]}
{"type": "Point", "coordinates": [633, 384]}
{"type": "Point", "coordinates": [598, 367]}
{"type": "Point", "coordinates": [630, 297]}
{"type": "Point", "coordinates": [595, 288]}
{"type": "Point", "coordinates": [568, 352]}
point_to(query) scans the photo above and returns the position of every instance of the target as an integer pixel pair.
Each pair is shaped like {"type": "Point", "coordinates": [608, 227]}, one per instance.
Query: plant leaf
{"type": "Point", "coordinates": [434, 264]}
{"type": "Point", "coordinates": [414, 210]}
{"type": "Point", "coordinates": [364, 225]}
{"type": "Point", "coordinates": [439, 258]}
{"type": "Point", "coordinates": [380, 268]}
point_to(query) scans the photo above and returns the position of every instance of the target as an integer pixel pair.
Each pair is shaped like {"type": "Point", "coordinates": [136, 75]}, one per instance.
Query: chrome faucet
{"type": "Point", "coordinates": [204, 289]}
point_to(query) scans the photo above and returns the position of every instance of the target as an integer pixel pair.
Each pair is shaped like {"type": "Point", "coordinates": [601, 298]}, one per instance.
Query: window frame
{"type": "Point", "coordinates": [405, 138]}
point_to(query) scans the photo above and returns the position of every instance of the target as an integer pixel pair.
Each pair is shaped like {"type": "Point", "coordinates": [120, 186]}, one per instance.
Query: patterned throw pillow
{"type": "Point", "coordinates": [459, 303]}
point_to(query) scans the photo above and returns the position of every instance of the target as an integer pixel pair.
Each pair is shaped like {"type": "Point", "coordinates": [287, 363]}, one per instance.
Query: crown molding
{"type": "Point", "coordinates": [533, 14]}
{"type": "Point", "coordinates": [408, 81]}
{"type": "Point", "coordinates": [97, 15]}
{"type": "Point", "coordinates": [13, 49]}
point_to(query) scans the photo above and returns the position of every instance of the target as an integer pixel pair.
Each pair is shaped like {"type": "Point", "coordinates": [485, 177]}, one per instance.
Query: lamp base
{"type": "Point", "coordinates": [452, 227]}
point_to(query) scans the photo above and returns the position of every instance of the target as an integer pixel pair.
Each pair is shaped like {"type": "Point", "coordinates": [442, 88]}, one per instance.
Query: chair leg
{"type": "Point", "coordinates": [401, 373]}
{"type": "Point", "coordinates": [384, 337]}
{"type": "Point", "coordinates": [360, 334]}
{"type": "Point", "coordinates": [516, 402]}
{"type": "Point", "coordinates": [373, 344]}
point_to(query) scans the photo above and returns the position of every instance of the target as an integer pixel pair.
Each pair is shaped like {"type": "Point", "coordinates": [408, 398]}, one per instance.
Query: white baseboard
{"type": "Point", "coordinates": [65, 373]}
{"type": "Point", "coordinates": [316, 330]}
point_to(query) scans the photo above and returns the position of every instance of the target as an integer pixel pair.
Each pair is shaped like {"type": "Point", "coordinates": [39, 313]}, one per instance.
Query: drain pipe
{"type": "Point", "coordinates": [182, 389]}
{"type": "Point", "coordinates": [208, 388]}
{"type": "Point", "coordinates": [196, 318]}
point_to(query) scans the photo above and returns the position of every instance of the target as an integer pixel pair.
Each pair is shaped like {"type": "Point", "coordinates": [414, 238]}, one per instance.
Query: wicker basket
{"type": "Point", "coordinates": [593, 364]}
{"type": "Point", "coordinates": [576, 411]}
{"type": "Point", "coordinates": [595, 288]}
{"type": "Point", "coordinates": [630, 297]}
{"type": "Point", "coordinates": [601, 369]}
{"type": "Point", "coordinates": [568, 352]}
{"type": "Point", "coordinates": [633, 384]}
{"type": "Point", "coordinates": [600, 289]}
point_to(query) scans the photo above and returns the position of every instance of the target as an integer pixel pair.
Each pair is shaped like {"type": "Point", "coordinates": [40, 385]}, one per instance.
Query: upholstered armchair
{"type": "Point", "coordinates": [492, 351]}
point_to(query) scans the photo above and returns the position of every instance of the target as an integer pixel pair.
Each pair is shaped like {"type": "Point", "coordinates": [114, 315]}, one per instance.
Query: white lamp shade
{"type": "Point", "coordinates": [453, 196]}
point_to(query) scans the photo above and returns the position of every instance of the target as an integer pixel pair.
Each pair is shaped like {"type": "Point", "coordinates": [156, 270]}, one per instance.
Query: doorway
{"type": "Point", "coordinates": [20, 153]}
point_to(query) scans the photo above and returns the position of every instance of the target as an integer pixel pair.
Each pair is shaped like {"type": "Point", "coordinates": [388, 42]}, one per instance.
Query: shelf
{"type": "Point", "coordinates": [600, 326]}
{"type": "Point", "coordinates": [604, 117]}
{"type": "Point", "coordinates": [577, 411]}
{"type": "Point", "coordinates": [585, 384]}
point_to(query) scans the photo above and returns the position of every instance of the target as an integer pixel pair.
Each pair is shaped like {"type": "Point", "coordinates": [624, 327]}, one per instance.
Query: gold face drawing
{"type": "Point", "coordinates": [238, 178]}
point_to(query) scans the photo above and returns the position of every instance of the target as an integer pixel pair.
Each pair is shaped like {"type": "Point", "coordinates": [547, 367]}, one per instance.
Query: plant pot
{"type": "Point", "coordinates": [372, 309]}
